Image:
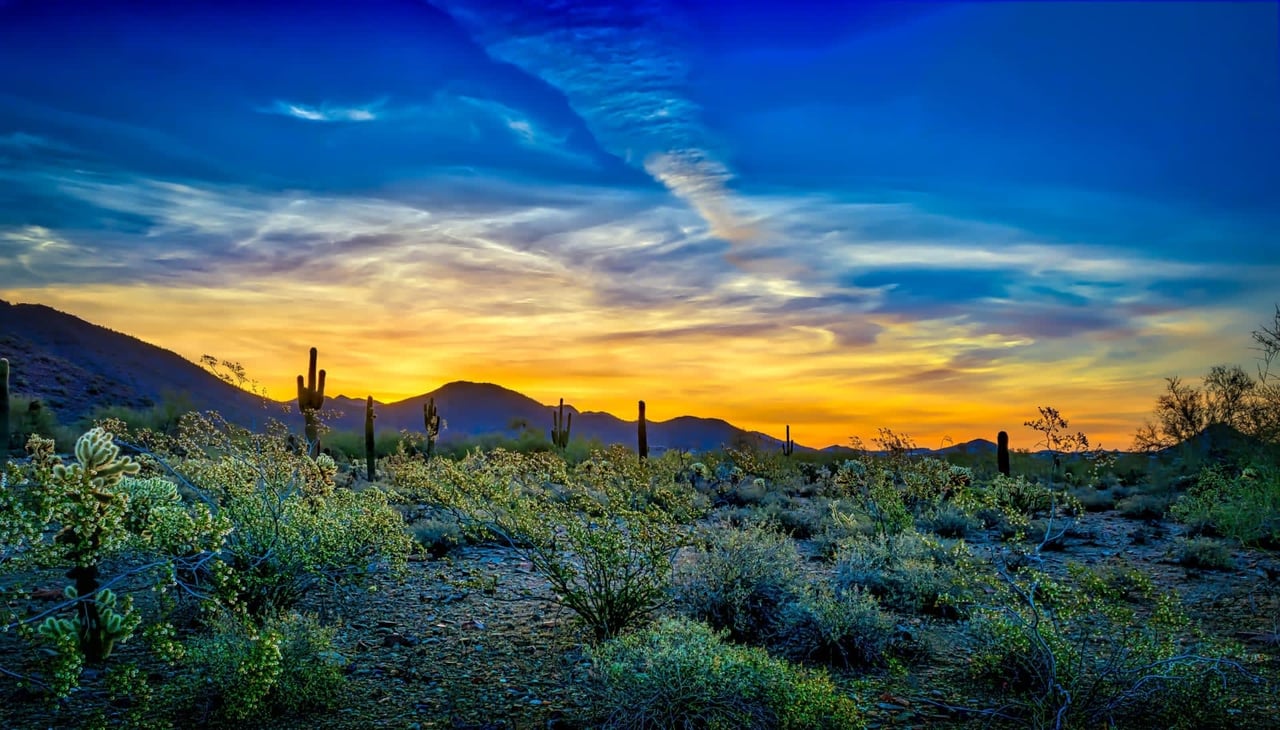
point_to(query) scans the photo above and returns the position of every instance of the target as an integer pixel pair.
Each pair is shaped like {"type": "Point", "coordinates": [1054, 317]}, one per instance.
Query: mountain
{"type": "Point", "coordinates": [74, 366]}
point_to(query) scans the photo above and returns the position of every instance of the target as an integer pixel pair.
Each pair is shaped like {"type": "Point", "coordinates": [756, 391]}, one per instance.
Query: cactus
{"type": "Point", "coordinates": [310, 399]}
{"type": "Point", "coordinates": [642, 435]}
{"type": "Point", "coordinates": [370, 453]}
{"type": "Point", "coordinates": [1002, 453]}
{"type": "Point", "coordinates": [560, 425]}
{"type": "Point", "coordinates": [431, 422]}
{"type": "Point", "coordinates": [4, 407]}
{"type": "Point", "coordinates": [91, 485]}
{"type": "Point", "coordinates": [788, 446]}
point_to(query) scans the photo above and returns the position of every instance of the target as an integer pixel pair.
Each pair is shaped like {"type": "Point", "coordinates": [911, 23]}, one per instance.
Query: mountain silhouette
{"type": "Point", "coordinates": [74, 366]}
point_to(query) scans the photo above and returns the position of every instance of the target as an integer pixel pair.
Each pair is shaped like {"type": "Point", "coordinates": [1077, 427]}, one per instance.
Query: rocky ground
{"type": "Point", "coordinates": [474, 641]}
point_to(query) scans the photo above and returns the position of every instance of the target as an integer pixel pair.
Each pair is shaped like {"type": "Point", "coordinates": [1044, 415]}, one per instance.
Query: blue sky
{"type": "Point", "coordinates": [932, 217]}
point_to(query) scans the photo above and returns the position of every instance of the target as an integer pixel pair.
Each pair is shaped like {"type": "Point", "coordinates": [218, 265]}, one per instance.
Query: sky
{"type": "Point", "coordinates": [928, 217]}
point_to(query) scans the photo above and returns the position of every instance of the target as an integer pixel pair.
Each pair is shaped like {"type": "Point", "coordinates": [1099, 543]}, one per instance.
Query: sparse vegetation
{"type": "Point", "coordinates": [177, 569]}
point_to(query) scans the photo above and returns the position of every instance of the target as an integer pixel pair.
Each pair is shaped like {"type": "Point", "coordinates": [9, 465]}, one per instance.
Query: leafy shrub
{"type": "Point", "coordinates": [848, 629]}
{"type": "Point", "coordinates": [1205, 554]}
{"type": "Point", "coordinates": [438, 535]}
{"type": "Point", "coordinates": [948, 520]}
{"type": "Point", "coordinates": [602, 535]}
{"type": "Point", "coordinates": [739, 579]}
{"type": "Point", "coordinates": [1096, 651]}
{"type": "Point", "coordinates": [681, 674]}
{"type": "Point", "coordinates": [1096, 500]}
{"type": "Point", "coordinates": [293, 529]}
{"type": "Point", "coordinates": [912, 574]}
{"type": "Point", "coordinates": [1243, 507]}
{"type": "Point", "coordinates": [242, 671]}
{"type": "Point", "coordinates": [1143, 506]}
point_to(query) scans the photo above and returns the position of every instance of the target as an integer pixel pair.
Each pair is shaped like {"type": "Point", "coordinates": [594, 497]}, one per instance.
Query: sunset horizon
{"type": "Point", "coordinates": [928, 217]}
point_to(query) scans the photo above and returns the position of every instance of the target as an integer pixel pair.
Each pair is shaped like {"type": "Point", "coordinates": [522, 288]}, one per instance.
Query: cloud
{"type": "Point", "coordinates": [622, 70]}
{"type": "Point", "coordinates": [326, 112]}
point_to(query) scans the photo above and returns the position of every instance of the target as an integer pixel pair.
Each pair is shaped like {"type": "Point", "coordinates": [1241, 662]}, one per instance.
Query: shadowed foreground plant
{"type": "Point", "coordinates": [681, 674]}
{"type": "Point", "coordinates": [1099, 651]}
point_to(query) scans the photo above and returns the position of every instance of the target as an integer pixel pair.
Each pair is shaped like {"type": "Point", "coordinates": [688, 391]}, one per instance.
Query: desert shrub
{"type": "Point", "coordinates": [681, 674]}
{"type": "Point", "coordinates": [1095, 651]}
{"type": "Point", "coordinates": [1096, 500]}
{"type": "Point", "coordinates": [241, 670]}
{"type": "Point", "coordinates": [1205, 553]}
{"type": "Point", "coordinates": [838, 522]}
{"type": "Point", "coordinates": [1010, 503]}
{"type": "Point", "coordinates": [914, 574]}
{"type": "Point", "coordinates": [438, 535]}
{"type": "Point", "coordinates": [1243, 507]}
{"type": "Point", "coordinates": [739, 579]}
{"type": "Point", "coordinates": [601, 534]}
{"type": "Point", "coordinates": [1143, 506]}
{"type": "Point", "coordinates": [293, 530]}
{"type": "Point", "coordinates": [949, 520]}
{"type": "Point", "coordinates": [846, 629]}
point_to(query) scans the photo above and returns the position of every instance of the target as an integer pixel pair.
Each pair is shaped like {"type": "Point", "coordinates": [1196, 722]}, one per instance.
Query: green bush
{"type": "Point", "coordinates": [1205, 553]}
{"type": "Point", "coordinates": [681, 674]}
{"type": "Point", "coordinates": [242, 671]}
{"type": "Point", "coordinates": [1144, 506]}
{"type": "Point", "coordinates": [604, 534]}
{"type": "Point", "coordinates": [913, 574]}
{"type": "Point", "coordinates": [739, 579]}
{"type": "Point", "coordinates": [847, 629]}
{"type": "Point", "coordinates": [1243, 507]}
{"type": "Point", "coordinates": [293, 529]}
{"type": "Point", "coordinates": [1097, 651]}
{"type": "Point", "coordinates": [438, 535]}
{"type": "Point", "coordinates": [949, 520]}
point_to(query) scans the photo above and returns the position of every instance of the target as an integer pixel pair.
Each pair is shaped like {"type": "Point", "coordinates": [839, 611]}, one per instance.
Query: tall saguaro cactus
{"type": "Point", "coordinates": [431, 422]}
{"type": "Point", "coordinates": [310, 400]}
{"type": "Point", "coordinates": [370, 452]}
{"type": "Point", "coordinates": [788, 446]}
{"type": "Point", "coordinates": [642, 434]}
{"type": "Point", "coordinates": [1002, 453]}
{"type": "Point", "coordinates": [4, 407]}
{"type": "Point", "coordinates": [560, 425]}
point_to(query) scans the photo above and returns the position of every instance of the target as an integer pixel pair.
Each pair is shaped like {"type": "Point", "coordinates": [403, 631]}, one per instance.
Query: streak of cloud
{"type": "Point", "coordinates": [621, 69]}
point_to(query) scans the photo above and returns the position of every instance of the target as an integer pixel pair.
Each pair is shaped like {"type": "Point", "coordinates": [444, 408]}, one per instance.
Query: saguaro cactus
{"type": "Point", "coordinates": [4, 407]}
{"type": "Point", "coordinates": [310, 400]}
{"type": "Point", "coordinates": [642, 434]}
{"type": "Point", "coordinates": [431, 422]}
{"type": "Point", "coordinates": [1002, 453]}
{"type": "Point", "coordinates": [370, 452]}
{"type": "Point", "coordinates": [788, 446]}
{"type": "Point", "coordinates": [560, 425]}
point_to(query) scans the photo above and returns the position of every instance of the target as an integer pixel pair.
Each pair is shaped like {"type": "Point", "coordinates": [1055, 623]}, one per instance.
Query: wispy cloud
{"type": "Point", "coordinates": [622, 70]}
{"type": "Point", "coordinates": [327, 112]}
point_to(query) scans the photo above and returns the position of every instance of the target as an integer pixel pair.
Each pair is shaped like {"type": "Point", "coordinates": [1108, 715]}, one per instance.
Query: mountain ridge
{"type": "Point", "coordinates": [74, 366]}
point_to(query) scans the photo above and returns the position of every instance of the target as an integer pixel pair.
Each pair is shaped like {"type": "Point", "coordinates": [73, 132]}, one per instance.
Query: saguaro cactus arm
{"type": "Point", "coordinates": [310, 401]}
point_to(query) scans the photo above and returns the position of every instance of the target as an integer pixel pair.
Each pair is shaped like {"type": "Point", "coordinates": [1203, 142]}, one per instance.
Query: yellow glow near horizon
{"type": "Point", "coordinates": [801, 377]}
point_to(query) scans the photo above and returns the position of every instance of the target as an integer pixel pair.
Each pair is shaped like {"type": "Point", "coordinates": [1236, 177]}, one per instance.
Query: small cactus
{"type": "Point", "coordinates": [310, 400]}
{"type": "Point", "coordinates": [643, 435]}
{"type": "Point", "coordinates": [560, 425]}
{"type": "Point", "coordinates": [431, 422]}
{"type": "Point", "coordinates": [788, 446]}
{"type": "Point", "coordinates": [1002, 453]}
{"type": "Point", "coordinates": [370, 452]}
